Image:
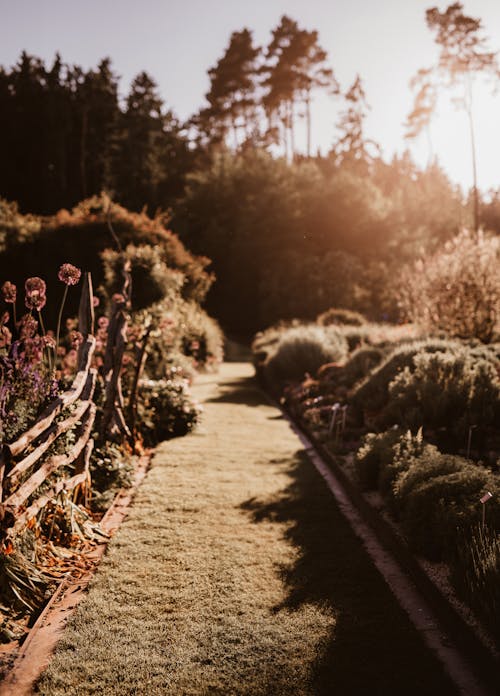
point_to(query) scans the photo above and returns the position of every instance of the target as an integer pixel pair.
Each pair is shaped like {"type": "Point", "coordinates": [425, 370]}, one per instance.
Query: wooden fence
{"type": "Point", "coordinates": [28, 479]}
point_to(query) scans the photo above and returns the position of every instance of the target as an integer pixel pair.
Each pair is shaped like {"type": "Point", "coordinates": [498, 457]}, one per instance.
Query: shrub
{"type": "Point", "coordinates": [166, 410]}
{"type": "Point", "coordinates": [457, 289]}
{"type": "Point", "coordinates": [376, 452]}
{"type": "Point", "coordinates": [452, 389]}
{"type": "Point", "coordinates": [373, 392]}
{"type": "Point", "coordinates": [359, 365]}
{"type": "Point", "coordinates": [475, 573]}
{"type": "Point", "coordinates": [435, 510]}
{"type": "Point", "coordinates": [152, 279]}
{"type": "Point", "coordinates": [202, 337]}
{"type": "Point", "coordinates": [304, 350]}
{"type": "Point", "coordinates": [406, 450]}
{"type": "Point", "coordinates": [340, 316]}
{"type": "Point", "coordinates": [81, 235]}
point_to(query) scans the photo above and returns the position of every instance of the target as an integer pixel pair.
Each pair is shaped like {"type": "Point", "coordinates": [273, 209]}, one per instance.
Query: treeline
{"type": "Point", "coordinates": [64, 135]}
{"type": "Point", "coordinates": [289, 234]}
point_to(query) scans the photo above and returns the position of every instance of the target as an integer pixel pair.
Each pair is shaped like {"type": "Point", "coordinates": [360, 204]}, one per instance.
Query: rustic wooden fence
{"type": "Point", "coordinates": [29, 479]}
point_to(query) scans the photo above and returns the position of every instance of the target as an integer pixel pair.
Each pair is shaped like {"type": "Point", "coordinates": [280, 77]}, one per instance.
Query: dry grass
{"type": "Point", "coordinates": [235, 574]}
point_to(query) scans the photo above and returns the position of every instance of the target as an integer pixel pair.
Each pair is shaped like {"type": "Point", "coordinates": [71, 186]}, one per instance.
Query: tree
{"type": "Point", "coordinates": [296, 65]}
{"type": "Point", "coordinates": [424, 105]}
{"type": "Point", "coordinates": [151, 151]}
{"type": "Point", "coordinates": [463, 56]}
{"type": "Point", "coordinates": [353, 148]}
{"type": "Point", "coordinates": [232, 86]}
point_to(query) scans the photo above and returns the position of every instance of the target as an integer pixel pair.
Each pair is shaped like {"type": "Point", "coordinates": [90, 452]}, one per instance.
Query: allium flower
{"type": "Point", "coordinates": [69, 274]}
{"type": "Point", "coordinates": [118, 297]}
{"type": "Point", "coordinates": [9, 292]}
{"type": "Point", "coordinates": [28, 327]}
{"type": "Point", "coordinates": [103, 322]}
{"type": "Point", "coordinates": [35, 289]}
{"type": "Point", "coordinates": [76, 339]}
{"type": "Point", "coordinates": [96, 301]}
{"type": "Point", "coordinates": [49, 341]}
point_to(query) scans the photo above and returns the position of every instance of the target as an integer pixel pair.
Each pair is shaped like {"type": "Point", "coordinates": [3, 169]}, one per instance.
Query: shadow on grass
{"type": "Point", "coordinates": [241, 391]}
{"type": "Point", "coordinates": [373, 648]}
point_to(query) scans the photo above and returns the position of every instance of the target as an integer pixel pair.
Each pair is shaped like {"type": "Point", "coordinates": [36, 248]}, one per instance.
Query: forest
{"type": "Point", "coordinates": [232, 183]}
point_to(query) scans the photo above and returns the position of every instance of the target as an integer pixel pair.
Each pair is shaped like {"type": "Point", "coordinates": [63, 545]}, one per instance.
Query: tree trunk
{"type": "Point", "coordinates": [83, 148]}
{"type": "Point", "coordinates": [308, 123]}
{"type": "Point", "coordinates": [475, 194]}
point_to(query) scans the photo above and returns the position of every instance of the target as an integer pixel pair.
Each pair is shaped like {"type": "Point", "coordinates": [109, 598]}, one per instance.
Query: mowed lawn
{"type": "Point", "coordinates": [236, 574]}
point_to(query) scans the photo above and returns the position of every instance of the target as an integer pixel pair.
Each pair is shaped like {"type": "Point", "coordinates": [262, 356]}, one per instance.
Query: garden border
{"type": "Point", "coordinates": [35, 651]}
{"type": "Point", "coordinates": [484, 664]}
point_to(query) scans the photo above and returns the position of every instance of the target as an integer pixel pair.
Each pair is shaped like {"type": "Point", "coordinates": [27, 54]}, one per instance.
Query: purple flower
{"type": "Point", "coordinates": [35, 289]}
{"type": "Point", "coordinates": [9, 292]}
{"type": "Point", "coordinates": [69, 274]}
{"type": "Point", "coordinates": [28, 327]}
{"type": "Point", "coordinates": [76, 339]}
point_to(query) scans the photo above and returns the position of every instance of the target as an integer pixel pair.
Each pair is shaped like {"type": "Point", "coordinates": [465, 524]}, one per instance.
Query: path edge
{"type": "Point", "coordinates": [37, 649]}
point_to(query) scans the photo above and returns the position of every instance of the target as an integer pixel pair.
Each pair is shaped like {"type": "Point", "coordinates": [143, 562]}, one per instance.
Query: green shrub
{"type": "Point", "coordinates": [165, 410]}
{"type": "Point", "coordinates": [302, 350]}
{"type": "Point", "coordinates": [475, 573]}
{"type": "Point", "coordinates": [373, 392]}
{"type": "Point", "coordinates": [452, 389]}
{"type": "Point", "coordinates": [152, 279]}
{"type": "Point", "coordinates": [202, 337]}
{"type": "Point", "coordinates": [435, 511]}
{"type": "Point", "coordinates": [406, 450]}
{"type": "Point", "coordinates": [359, 365]}
{"type": "Point", "coordinates": [39, 247]}
{"type": "Point", "coordinates": [376, 453]}
{"type": "Point", "coordinates": [457, 289]}
{"type": "Point", "coordinates": [340, 316]}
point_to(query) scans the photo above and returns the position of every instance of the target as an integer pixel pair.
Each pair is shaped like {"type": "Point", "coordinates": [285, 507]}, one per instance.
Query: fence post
{"type": "Point", "coordinates": [86, 312]}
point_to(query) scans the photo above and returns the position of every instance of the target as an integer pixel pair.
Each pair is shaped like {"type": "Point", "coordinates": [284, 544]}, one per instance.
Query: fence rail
{"type": "Point", "coordinates": [29, 476]}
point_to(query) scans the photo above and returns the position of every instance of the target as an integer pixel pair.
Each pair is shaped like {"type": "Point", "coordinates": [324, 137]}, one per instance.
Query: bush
{"type": "Point", "coordinates": [435, 511]}
{"type": "Point", "coordinates": [376, 452]}
{"type": "Point", "coordinates": [475, 573]}
{"type": "Point", "coordinates": [165, 410]}
{"type": "Point", "coordinates": [152, 280]}
{"type": "Point", "coordinates": [302, 350]}
{"type": "Point", "coordinates": [81, 236]}
{"type": "Point", "coordinates": [340, 316]}
{"type": "Point", "coordinates": [452, 389]}
{"type": "Point", "coordinates": [456, 290]}
{"type": "Point", "coordinates": [373, 392]}
{"type": "Point", "coordinates": [359, 365]}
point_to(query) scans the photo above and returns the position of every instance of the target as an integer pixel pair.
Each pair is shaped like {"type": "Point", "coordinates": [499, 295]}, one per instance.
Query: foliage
{"type": "Point", "coordinates": [457, 289]}
{"type": "Point", "coordinates": [373, 392]}
{"type": "Point", "coordinates": [375, 453]}
{"type": "Point", "coordinates": [340, 316]}
{"type": "Point", "coordinates": [110, 470]}
{"type": "Point", "coordinates": [475, 571]}
{"type": "Point", "coordinates": [452, 389]}
{"type": "Point", "coordinates": [152, 280]}
{"type": "Point", "coordinates": [82, 235]}
{"type": "Point", "coordinates": [302, 350]}
{"type": "Point", "coordinates": [166, 410]}
{"type": "Point", "coordinates": [436, 504]}
{"type": "Point", "coordinates": [66, 136]}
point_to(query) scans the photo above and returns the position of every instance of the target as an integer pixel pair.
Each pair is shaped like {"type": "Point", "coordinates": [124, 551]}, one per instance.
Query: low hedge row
{"type": "Point", "coordinates": [436, 498]}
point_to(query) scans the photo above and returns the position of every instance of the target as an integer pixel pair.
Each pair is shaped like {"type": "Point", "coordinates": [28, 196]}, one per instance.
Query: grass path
{"type": "Point", "coordinates": [236, 574]}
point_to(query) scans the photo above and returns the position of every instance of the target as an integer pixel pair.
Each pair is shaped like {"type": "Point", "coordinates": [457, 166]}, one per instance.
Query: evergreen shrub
{"type": "Point", "coordinates": [303, 350]}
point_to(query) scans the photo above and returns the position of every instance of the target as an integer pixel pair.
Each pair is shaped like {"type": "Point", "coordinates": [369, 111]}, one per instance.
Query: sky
{"type": "Point", "coordinates": [177, 41]}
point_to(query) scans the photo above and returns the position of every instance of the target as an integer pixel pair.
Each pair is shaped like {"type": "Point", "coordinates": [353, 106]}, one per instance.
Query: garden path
{"type": "Point", "coordinates": [235, 573]}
